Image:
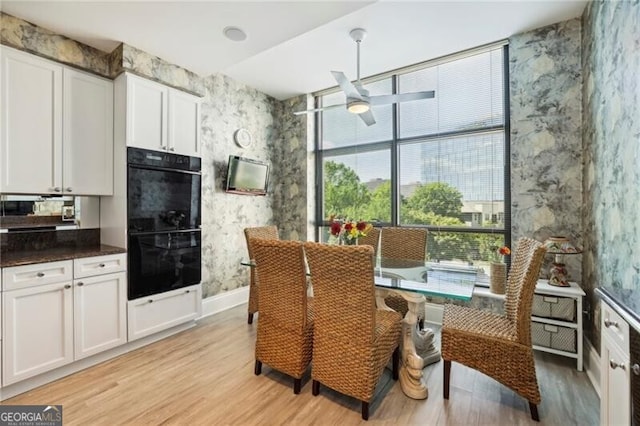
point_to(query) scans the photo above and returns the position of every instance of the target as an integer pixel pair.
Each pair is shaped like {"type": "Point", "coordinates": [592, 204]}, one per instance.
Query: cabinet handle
{"type": "Point", "coordinates": [40, 274]}
{"type": "Point", "coordinates": [172, 149]}
{"type": "Point", "coordinates": [56, 189]}
{"type": "Point", "coordinates": [150, 300]}
{"type": "Point", "coordinates": [67, 286]}
{"type": "Point", "coordinates": [636, 369]}
{"type": "Point", "coordinates": [80, 284]}
{"type": "Point", "coordinates": [608, 323]}
{"type": "Point", "coordinates": [163, 147]}
{"type": "Point", "coordinates": [102, 265]}
{"type": "Point", "coordinates": [187, 291]}
{"type": "Point", "coordinates": [69, 189]}
{"type": "Point", "coordinates": [615, 365]}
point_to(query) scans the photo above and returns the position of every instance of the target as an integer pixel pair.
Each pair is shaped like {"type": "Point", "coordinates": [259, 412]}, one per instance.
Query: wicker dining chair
{"type": "Point", "coordinates": [284, 339]}
{"type": "Point", "coordinates": [499, 345]}
{"type": "Point", "coordinates": [372, 239]}
{"type": "Point", "coordinates": [399, 244]}
{"type": "Point", "coordinates": [265, 233]}
{"type": "Point", "coordinates": [353, 340]}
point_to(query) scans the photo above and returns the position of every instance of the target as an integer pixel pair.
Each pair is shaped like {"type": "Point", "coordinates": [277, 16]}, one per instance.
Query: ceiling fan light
{"type": "Point", "coordinates": [358, 106]}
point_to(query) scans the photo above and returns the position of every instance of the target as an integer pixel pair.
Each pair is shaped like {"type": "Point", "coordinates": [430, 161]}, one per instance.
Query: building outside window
{"type": "Point", "coordinates": [438, 163]}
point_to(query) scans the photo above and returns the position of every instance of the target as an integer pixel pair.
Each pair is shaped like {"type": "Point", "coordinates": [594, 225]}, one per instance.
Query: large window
{"type": "Point", "coordinates": [438, 163]}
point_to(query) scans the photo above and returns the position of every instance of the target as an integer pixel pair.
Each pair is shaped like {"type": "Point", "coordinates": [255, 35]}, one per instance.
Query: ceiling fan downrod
{"type": "Point", "coordinates": [358, 34]}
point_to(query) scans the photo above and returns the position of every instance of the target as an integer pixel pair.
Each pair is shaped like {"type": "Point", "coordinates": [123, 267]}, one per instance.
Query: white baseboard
{"type": "Point", "coordinates": [592, 365]}
{"type": "Point", "coordinates": [223, 301]}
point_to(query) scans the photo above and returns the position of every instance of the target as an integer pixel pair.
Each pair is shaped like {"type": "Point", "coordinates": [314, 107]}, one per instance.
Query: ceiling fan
{"type": "Point", "coordinates": [358, 100]}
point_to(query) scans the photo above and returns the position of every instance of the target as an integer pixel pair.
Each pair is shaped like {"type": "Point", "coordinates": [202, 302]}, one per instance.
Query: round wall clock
{"type": "Point", "coordinates": [243, 138]}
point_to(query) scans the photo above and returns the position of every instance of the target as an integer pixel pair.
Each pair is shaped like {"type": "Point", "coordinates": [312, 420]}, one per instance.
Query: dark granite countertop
{"type": "Point", "coordinates": [625, 302]}
{"type": "Point", "coordinates": [18, 258]}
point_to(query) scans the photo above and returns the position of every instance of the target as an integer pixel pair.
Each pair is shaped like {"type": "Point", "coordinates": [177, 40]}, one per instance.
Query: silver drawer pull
{"type": "Point", "coordinates": [636, 369]}
{"type": "Point", "coordinates": [172, 149]}
{"type": "Point", "coordinates": [40, 274]}
{"type": "Point", "coordinates": [615, 365]}
{"type": "Point", "coordinates": [56, 189]}
{"type": "Point", "coordinates": [67, 286]}
{"type": "Point", "coordinates": [80, 284]}
{"type": "Point", "coordinates": [102, 265]}
{"type": "Point", "coordinates": [69, 189]}
{"type": "Point", "coordinates": [608, 323]}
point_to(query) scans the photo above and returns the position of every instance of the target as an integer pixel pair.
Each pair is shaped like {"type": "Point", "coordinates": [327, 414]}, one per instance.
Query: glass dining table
{"type": "Point", "coordinates": [413, 280]}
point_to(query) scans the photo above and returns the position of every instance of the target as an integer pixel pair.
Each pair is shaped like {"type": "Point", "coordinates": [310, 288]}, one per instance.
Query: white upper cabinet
{"type": "Point", "coordinates": [160, 118]}
{"type": "Point", "coordinates": [146, 114]}
{"type": "Point", "coordinates": [184, 123]}
{"type": "Point", "coordinates": [57, 128]}
{"type": "Point", "coordinates": [88, 134]}
{"type": "Point", "coordinates": [31, 124]}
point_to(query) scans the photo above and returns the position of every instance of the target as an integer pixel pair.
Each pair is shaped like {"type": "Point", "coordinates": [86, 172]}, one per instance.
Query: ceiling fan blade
{"type": "Point", "coordinates": [347, 87]}
{"type": "Point", "coordinates": [320, 109]}
{"type": "Point", "coordinates": [402, 97]}
{"type": "Point", "coordinates": [367, 117]}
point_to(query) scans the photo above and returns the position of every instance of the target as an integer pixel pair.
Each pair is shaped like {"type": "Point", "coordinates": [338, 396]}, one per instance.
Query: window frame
{"type": "Point", "coordinates": [395, 143]}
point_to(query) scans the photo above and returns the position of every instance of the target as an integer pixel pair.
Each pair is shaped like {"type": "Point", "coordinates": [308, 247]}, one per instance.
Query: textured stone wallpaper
{"type": "Point", "coordinates": [611, 133]}
{"type": "Point", "coordinates": [15, 32]}
{"type": "Point", "coordinates": [546, 143]}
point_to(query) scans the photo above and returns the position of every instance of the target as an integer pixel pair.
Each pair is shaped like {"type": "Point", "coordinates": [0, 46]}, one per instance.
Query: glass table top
{"type": "Point", "coordinates": [431, 279]}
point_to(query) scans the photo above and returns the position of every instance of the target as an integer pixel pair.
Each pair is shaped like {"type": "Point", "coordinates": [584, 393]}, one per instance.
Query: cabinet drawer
{"type": "Point", "coordinates": [553, 336]}
{"type": "Point", "coordinates": [99, 265]}
{"type": "Point", "coordinates": [151, 314]}
{"type": "Point", "coordinates": [17, 277]}
{"type": "Point", "coordinates": [614, 327]}
{"type": "Point", "coordinates": [562, 308]}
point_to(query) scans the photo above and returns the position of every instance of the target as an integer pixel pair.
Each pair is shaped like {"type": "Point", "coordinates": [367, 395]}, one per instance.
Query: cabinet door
{"type": "Point", "coordinates": [38, 330]}
{"type": "Point", "coordinates": [184, 123]}
{"type": "Point", "coordinates": [100, 316]}
{"type": "Point", "coordinates": [151, 314]}
{"type": "Point", "coordinates": [88, 134]}
{"type": "Point", "coordinates": [615, 406]}
{"type": "Point", "coordinates": [31, 123]}
{"type": "Point", "coordinates": [146, 114]}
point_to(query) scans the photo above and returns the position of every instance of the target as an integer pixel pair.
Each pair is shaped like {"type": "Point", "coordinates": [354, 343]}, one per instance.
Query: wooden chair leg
{"type": "Point", "coordinates": [250, 319]}
{"type": "Point", "coordinates": [315, 388]}
{"type": "Point", "coordinates": [447, 374]}
{"type": "Point", "coordinates": [365, 410]}
{"type": "Point", "coordinates": [297, 383]}
{"type": "Point", "coordinates": [534, 411]}
{"type": "Point", "coordinates": [258, 368]}
{"type": "Point", "coordinates": [395, 361]}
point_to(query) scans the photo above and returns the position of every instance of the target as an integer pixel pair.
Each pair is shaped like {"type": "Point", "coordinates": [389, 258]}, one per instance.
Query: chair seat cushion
{"type": "Point", "coordinates": [474, 321]}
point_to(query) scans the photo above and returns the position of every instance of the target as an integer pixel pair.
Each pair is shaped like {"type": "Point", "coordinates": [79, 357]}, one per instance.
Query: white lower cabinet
{"type": "Point", "coordinates": [38, 330]}
{"type": "Point", "coordinates": [99, 310]}
{"type": "Point", "coordinates": [151, 314]}
{"type": "Point", "coordinates": [615, 375]}
{"type": "Point", "coordinates": [50, 324]}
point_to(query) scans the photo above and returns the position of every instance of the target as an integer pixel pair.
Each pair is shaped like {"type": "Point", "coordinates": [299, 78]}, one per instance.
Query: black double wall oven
{"type": "Point", "coordinates": [163, 200]}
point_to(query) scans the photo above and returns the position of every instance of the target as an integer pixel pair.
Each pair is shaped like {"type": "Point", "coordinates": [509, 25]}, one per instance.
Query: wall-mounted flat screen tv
{"type": "Point", "coordinates": [247, 176]}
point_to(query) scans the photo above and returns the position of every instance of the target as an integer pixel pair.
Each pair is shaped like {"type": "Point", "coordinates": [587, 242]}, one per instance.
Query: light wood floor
{"type": "Point", "coordinates": [204, 376]}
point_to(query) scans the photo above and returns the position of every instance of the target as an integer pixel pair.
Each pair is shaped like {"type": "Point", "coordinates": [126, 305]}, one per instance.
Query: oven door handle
{"type": "Point", "coordinates": [164, 169]}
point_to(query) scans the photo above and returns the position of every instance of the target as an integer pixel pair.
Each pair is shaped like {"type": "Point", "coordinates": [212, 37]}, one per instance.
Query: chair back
{"type": "Point", "coordinates": [403, 243]}
{"type": "Point", "coordinates": [260, 232]}
{"type": "Point", "coordinates": [344, 302]}
{"type": "Point", "coordinates": [280, 267]}
{"type": "Point", "coordinates": [372, 239]}
{"type": "Point", "coordinates": [521, 284]}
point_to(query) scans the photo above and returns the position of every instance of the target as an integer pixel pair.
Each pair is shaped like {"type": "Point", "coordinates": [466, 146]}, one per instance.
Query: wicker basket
{"type": "Point", "coordinates": [498, 278]}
